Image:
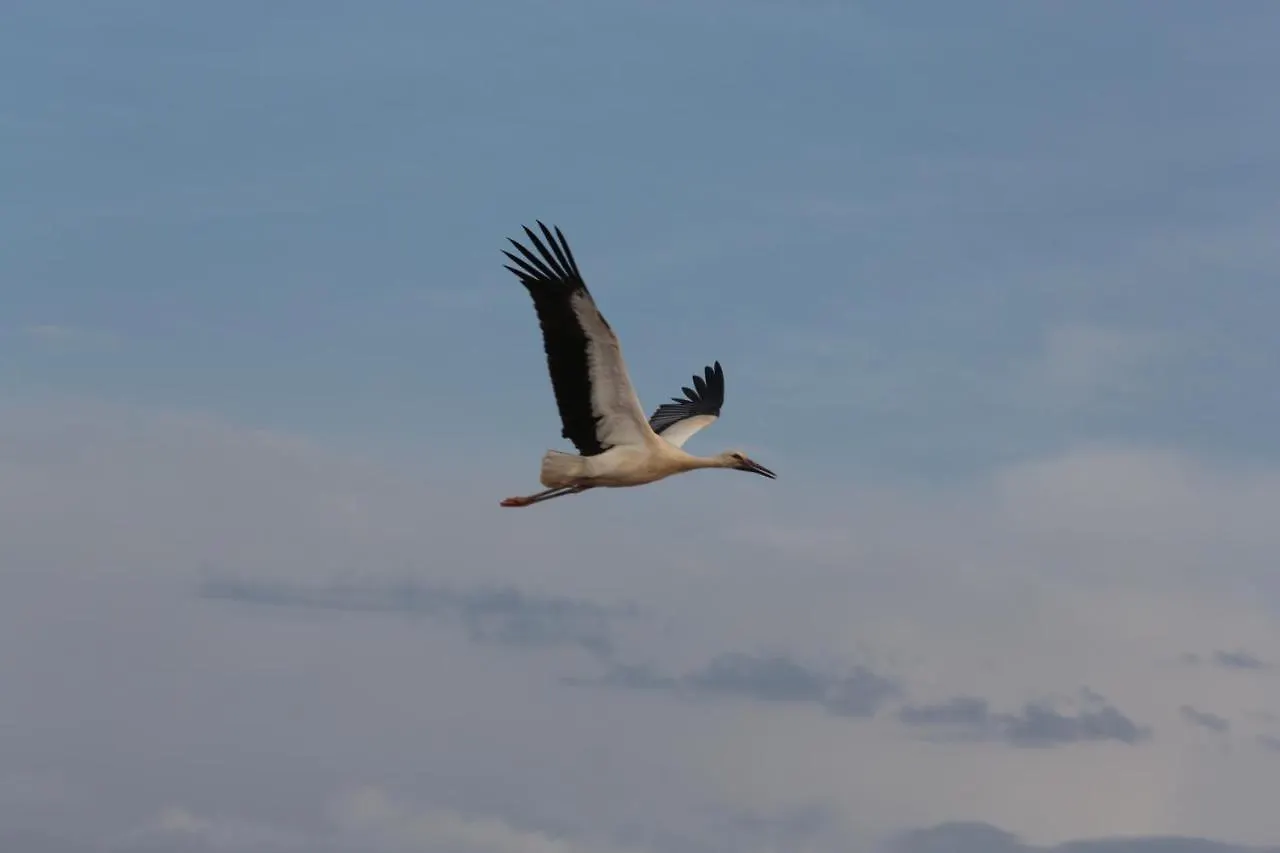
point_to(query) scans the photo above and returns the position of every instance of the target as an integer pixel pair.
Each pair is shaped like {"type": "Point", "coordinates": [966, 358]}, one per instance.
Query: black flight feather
{"type": "Point", "coordinates": [552, 279]}
{"type": "Point", "coordinates": [706, 397]}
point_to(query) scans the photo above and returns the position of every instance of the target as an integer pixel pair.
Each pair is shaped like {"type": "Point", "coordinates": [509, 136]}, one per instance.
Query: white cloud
{"type": "Point", "coordinates": [1094, 568]}
{"type": "Point", "coordinates": [370, 813]}
{"type": "Point", "coordinates": [187, 830]}
{"type": "Point", "coordinates": [1091, 568]}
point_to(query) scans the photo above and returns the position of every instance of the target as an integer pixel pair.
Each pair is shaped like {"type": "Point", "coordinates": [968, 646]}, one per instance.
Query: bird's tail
{"type": "Point", "coordinates": [562, 469]}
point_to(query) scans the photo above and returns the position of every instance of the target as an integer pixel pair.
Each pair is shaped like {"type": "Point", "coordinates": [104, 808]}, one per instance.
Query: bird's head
{"type": "Point", "coordinates": [738, 460]}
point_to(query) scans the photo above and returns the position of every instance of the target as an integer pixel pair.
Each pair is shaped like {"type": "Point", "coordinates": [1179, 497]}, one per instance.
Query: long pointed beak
{"type": "Point", "coordinates": [756, 468]}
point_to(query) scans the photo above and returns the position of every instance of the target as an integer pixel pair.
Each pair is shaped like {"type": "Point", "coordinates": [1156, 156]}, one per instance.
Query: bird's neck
{"type": "Point", "coordinates": [692, 462]}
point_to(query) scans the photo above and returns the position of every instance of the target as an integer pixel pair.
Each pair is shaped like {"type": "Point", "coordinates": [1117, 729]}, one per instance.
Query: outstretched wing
{"type": "Point", "coordinates": [598, 407]}
{"type": "Point", "coordinates": [678, 420]}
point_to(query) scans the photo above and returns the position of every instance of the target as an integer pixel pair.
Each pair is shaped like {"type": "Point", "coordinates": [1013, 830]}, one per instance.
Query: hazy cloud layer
{"type": "Point", "coordinates": [973, 837]}
{"type": "Point", "coordinates": [510, 617]}
{"type": "Point", "coordinates": [284, 687]}
{"type": "Point", "coordinates": [505, 616]}
{"type": "Point", "coordinates": [371, 820]}
{"type": "Point", "coordinates": [766, 678]}
{"type": "Point", "coordinates": [1237, 659]}
{"type": "Point", "coordinates": [862, 693]}
{"type": "Point", "coordinates": [1037, 725]}
{"type": "Point", "coordinates": [1204, 719]}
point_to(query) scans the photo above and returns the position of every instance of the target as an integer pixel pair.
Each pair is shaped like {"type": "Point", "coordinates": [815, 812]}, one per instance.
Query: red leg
{"type": "Point", "coordinates": [529, 500]}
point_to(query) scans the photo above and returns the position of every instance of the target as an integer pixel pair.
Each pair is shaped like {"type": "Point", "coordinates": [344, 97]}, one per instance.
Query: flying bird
{"type": "Point", "coordinates": [599, 410]}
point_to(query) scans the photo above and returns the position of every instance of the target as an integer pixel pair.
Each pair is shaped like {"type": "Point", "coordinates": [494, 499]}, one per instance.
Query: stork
{"type": "Point", "coordinates": [599, 411]}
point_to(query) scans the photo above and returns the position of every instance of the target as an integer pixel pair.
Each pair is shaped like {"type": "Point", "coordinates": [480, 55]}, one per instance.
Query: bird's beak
{"type": "Point", "coordinates": [756, 468]}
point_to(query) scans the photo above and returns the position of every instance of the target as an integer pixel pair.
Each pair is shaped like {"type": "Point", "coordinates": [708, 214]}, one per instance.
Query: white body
{"type": "Point", "coordinates": [624, 465]}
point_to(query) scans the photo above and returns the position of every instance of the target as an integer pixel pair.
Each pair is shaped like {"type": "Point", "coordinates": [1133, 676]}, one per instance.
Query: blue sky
{"type": "Point", "coordinates": [292, 214]}
{"type": "Point", "coordinates": [994, 285]}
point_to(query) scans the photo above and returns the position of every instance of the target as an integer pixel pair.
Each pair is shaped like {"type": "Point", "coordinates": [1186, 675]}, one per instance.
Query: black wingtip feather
{"type": "Point", "coordinates": [705, 398]}
{"type": "Point", "coordinates": [546, 260]}
{"type": "Point", "coordinates": [573, 264]}
{"type": "Point", "coordinates": [555, 247]}
{"type": "Point", "coordinates": [551, 276]}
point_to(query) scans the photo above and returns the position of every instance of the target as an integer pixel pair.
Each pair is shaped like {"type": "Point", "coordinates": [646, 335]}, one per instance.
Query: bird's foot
{"type": "Point", "coordinates": [517, 502]}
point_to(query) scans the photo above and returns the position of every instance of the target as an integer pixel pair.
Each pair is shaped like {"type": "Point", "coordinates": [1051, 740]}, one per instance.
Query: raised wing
{"type": "Point", "coordinates": [598, 407]}
{"type": "Point", "coordinates": [681, 418]}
